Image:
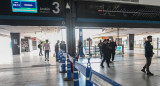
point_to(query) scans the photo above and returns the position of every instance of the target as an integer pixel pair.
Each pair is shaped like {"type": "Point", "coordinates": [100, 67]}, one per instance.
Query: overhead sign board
{"type": "Point", "coordinates": [112, 10]}
{"type": "Point", "coordinates": [42, 8]}
{"type": "Point", "coordinates": [142, 2]}
{"type": "Point", "coordinates": [32, 12]}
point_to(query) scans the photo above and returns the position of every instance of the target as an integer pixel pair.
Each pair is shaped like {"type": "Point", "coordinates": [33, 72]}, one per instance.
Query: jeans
{"type": "Point", "coordinates": [47, 54]}
{"type": "Point", "coordinates": [40, 52]}
{"type": "Point", "coordinates": [148, 63]}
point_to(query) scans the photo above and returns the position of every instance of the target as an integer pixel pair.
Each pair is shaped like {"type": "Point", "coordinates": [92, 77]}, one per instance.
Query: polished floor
{"type": "Point", "coordinates": [29, 69]}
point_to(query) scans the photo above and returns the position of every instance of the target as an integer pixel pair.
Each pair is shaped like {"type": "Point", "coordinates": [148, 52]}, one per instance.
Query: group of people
{"type": "Point", "coordinates": [46, 49]}
{"type": "Point", "coordinates": [107, 50]}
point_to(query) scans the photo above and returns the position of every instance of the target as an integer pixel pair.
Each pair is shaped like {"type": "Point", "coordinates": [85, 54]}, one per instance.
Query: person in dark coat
{"type": "Point", "coordinates": [80, 49]}
{"type": "Point", "coordinates": [113, 49]}
{"type": "Point", "coordinates": [106, 50]}
{"type": "Point", "coordinates": [148, 54]}
{"type": "Point", "coordinates": [100, 47]}
{"type": "Point", "coordinates": [57, 49]}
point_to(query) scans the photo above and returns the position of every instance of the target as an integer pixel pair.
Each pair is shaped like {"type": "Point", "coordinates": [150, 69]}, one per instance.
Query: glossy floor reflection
{"type": "Point", "coordinates": [28, 69]}
{"type": "Point", "coordinates": [21, 70]}
{"type": "Point", "coordinates": [126, 69]}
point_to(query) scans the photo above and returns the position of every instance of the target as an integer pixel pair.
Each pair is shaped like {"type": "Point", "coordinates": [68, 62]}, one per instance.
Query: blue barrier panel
{"type": "Point", "coordinates": [85, 71]}
{"type": "Point", "coordinates": [81, 68]}
{"type": "Point", "coordinates": [69, 76]}
{"type": "Point", "coordinates": [101, 80]}
{"type": "Point", "coordinates": [76, 75]}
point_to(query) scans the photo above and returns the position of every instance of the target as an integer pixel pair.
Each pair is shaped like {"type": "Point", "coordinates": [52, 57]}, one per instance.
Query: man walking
{"type": "Point", "coordinates": [46, 47]}
{"type": "Point", "coordinates": [148, 54]}
{"type": "Point", "coordinates": [113, 49]}
{"type": "Point", "coordinates": [40, 48]}
{"type": "Point", "coordinates": [100, 47]}
{"type": "Point", "coordinates": [106, 50]}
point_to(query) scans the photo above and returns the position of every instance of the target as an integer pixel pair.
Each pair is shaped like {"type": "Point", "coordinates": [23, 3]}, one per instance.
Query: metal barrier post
{"type": "Point", "coordinates": [69, 76]}
{"type": "Point", "coordinates": [76, 77]}
{"type": "Point", "coordinates": [88, 70]}
{"type": "Point", "coordinates": [63, 65]}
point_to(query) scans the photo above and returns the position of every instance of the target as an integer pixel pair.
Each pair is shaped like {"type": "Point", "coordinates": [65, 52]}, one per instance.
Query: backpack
{"type": "Point", "coordinates": [39, 46]}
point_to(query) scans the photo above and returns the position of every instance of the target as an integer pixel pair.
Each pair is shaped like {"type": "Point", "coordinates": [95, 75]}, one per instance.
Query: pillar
{"type": "Point", "coordinates": [70, 24]}
{"type": "Point", "coordinates": [131, 41]}
{"type": "Point", "coordinates": [15, 39]}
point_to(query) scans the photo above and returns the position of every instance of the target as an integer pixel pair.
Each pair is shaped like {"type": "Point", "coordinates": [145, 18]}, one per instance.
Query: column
{"type": "Point", "coordinates": [15, 39]}
{"type": "Point", "coordinates": [130, 41]}
{"type": "Point", "coordinates": [70, 23]}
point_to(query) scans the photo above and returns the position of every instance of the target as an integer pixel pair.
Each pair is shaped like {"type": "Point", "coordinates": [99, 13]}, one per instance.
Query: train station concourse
{"type": "Point", "coordinates": [80, 43]}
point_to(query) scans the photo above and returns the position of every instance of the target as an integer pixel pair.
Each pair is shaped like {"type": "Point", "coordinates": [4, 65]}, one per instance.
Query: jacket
{"type": "Point", "coordinates": [148, 49]}
{"type": "Point", "coordinates": [106, 50]}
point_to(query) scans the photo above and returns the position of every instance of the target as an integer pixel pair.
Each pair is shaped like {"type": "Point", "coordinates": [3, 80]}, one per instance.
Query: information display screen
{"type": "Point", "coordinates": [27, 6]}
{"type": "Point", "coordinates": [119, 50]}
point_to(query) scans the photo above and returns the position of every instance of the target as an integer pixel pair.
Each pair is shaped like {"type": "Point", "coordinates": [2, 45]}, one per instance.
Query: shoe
{"type": "Point", "coordinates": [108, 66]}
{"type": "Point", "coordinates": [150, 74]}
{"type": "Point", "coordinates": [102, 66]}
{"type": "Point", "coordinates": [143, 70]}
{"type": "Point", "coordinates": [110, 62]}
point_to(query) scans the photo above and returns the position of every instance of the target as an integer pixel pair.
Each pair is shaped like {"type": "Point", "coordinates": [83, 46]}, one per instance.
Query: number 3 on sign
{"type": "Point", "coordinates": [57, 7]}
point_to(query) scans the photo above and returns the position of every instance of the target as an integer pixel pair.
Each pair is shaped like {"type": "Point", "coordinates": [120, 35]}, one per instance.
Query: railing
{"type": "Point", "coordinates": [94, 50]}
{"type": "Point", "coordinates": [92, 77]}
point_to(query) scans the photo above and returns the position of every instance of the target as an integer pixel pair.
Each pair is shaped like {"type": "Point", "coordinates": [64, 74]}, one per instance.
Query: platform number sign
{"type": "Point", "coordinates": [51, 7]}
{"type": "Point", "coordinates": [57, 7]}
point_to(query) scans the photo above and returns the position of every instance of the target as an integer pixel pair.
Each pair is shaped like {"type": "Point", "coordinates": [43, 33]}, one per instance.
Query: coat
{"type": "Point", "coordinates": [148, 49]}
{"type": "Point", "coordinates": [106, 50]}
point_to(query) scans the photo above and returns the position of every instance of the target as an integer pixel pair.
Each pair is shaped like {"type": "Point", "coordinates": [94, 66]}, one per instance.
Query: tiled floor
{"type": "Point", "coordinates": [19, 71]}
